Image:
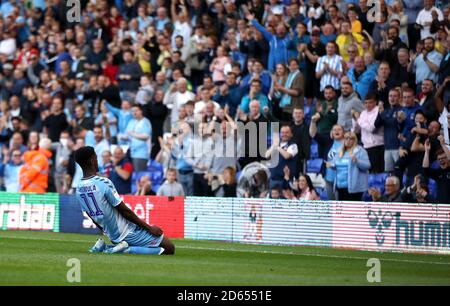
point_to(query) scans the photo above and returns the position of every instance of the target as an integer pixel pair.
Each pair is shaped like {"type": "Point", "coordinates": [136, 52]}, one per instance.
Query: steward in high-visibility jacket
{"type": "Point", "coordinates": [33, 176]}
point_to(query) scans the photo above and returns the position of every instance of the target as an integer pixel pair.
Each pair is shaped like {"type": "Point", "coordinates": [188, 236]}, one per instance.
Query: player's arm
{"type": "Point", "coordinates": [131, 216]}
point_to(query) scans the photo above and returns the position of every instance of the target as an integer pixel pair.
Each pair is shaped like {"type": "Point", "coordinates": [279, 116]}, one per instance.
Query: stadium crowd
{"type": "Point", "coordinates": [361, 95]}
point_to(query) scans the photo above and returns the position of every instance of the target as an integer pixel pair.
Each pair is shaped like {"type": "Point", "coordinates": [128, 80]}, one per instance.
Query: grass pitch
{"type": "Point", "coordinates": [40, 258]}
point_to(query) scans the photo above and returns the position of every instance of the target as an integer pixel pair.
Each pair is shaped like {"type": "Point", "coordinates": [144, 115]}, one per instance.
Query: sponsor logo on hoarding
{"type": "Point", "coordinates": [422, 233]}
{"type": "Point", "coordinates": [29, 216]}
{"type": "Point", "coordinates": [415, 233]}
{"type": "Point", "coordinates": [380, 221]}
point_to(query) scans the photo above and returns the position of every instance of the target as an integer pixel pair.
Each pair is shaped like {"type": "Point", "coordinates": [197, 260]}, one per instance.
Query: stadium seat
{"type": "Point", "coordinates": [377, 180]}
{"type": "Point", "coordinates": [433, 188]}
{"type": "Point", "coordinates": [238, 175]}
{"type": "Point", "coordinates": [154, 166]}
{"type": "Point", "coordinates": [322, 193]}
{"type": "Point", "coordinates": [307, 110]}
{"type": "Point", "coordinates": [314, 150]}
{"type": "Point", "coordinates": [314, 165]}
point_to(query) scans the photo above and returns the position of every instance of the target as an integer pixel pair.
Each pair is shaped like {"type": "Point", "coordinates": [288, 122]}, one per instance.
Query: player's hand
{"type": "Point", "coordinates": [155, 231]}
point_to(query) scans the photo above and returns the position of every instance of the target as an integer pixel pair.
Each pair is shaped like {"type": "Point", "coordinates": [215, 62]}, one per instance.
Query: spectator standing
{"type": "Point", "coordinates": [11, 171]}
{"type": "Point", "coordinates": [177, 96]}
{"type": "Point", "coordinates": [426, 64]}
{"type": "Point", "coordinates": [361, 77]}
{"type": "Point", "coordinates": [352, 167]}
{"type": "Point", "coordinates": [249, 151]}
{"type": "Point", "coordinates": [425, 18]}
{"type": "Point", "coordinates": [124, 116]}
{"type": "Point", "coordinates": [324, 118]}
{"type": "Point", "coordinates": [371, 136]}
{"type": "Point", "coordinates": [311, 53]}
{"type": "Point", "coordinates": [387, 119]}
{"type": "Point", "coordinates": [101, 144]}
{"type": "Point", "coordinates": [156, 112]}
{"type": "Point", "coordinates": [56, 122]}
{"type": "Point", "coordinates": [427, 102]}
{"type": "Point", "coordinates": [108, 122]}
{"type": "Point", "coordinates": [300, 136]}
{"type": "Point", "coordinates": [292, 91]}
{"type": "Point", "coordinates": [329, 68]}
{"type": "Point", "coordinates": [389, 49]}
{"type": "Point", "coordinates": [200, 157]}
{"type": "Point", "coordinates": [229, 94]}
{"type": "Point", "coordinates": [280, 43]}
{"type": "Point", "coordinates": [400, 75]}
{"type": "Point", "coordinates": [440, 175]}
{"type": "Point", "coordinates": [348, 104]}
{"type": "Point", "coordinates": [337, 136]}
{"type": "Point", "coordinates": [129, 75]}
{"type": "Point", "coordinates": [139, 132]}
{"type": "Point", "coordinates": [120, 174]}
{"type": "Point", "coordinates": [282, 153]}
{"type": "Point", "coordinates": [63, 149]}
{"type": "Point", "coordinates": [144, 187]}
{"type": "Point", "coordinates": [33, 176]}
{"type": "Point", "coordinates": [347, 38]}
{"type": "Point", "coordinates": [181, 147]}
{"type": "Point", "coordinates": [382, 83]}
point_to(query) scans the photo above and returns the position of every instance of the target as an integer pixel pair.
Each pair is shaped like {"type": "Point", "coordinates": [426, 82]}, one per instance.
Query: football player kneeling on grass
{"type": "Point", "coordinates": [99, 199]}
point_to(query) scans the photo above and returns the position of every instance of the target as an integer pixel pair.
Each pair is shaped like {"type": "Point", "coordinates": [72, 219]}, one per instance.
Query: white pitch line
{"type": "Point", "coordinates": [259, 251]}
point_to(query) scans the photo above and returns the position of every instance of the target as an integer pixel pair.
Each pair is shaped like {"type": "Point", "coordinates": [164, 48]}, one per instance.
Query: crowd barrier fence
{"type": "Point", "coordinates": [387, 227]}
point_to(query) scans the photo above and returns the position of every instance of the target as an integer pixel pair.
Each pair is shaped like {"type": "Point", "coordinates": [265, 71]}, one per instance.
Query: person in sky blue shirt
{"type": "Point", "coordinates": [255, 94]}
{"type": "Point", "coordinates": [124, 116]}
{"type": "Point", "coordinates": [11, 171]}
{"type": "Point", "coordinates": [139, 132]}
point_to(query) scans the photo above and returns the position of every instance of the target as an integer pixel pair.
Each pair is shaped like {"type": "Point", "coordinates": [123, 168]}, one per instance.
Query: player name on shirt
{"type": "Point", "coordinates": [87, 188]}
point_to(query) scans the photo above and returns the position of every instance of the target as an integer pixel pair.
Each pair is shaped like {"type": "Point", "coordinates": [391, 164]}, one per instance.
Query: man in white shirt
{"type": "Point", "coordinates": [425, 18]}
{"type": "Point", "coordinates": [177, 96]}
